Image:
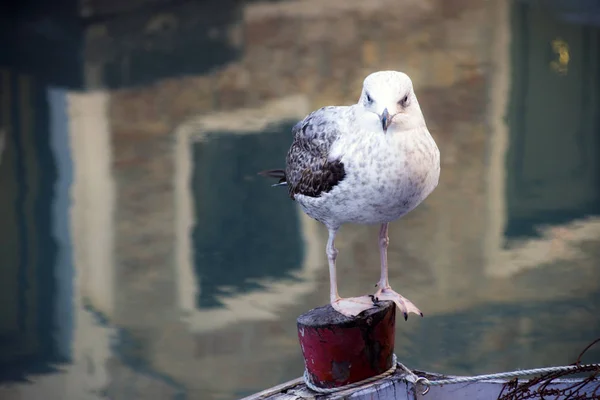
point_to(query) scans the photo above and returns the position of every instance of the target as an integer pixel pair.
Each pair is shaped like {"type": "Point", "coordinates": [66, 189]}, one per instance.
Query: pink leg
{"type": "Point", "coordinates": [385, 292]}
{"type": "Point", "coordinates": [384, 241]}
{"type": "Point", "coordinates": [332, 253]}
{"type": "Point", "coordinates": [352, 306]}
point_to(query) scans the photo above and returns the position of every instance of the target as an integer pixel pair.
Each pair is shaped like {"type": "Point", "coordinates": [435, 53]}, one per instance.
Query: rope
{"type": "Point", "coordinates": [422, 381]}
{"type": "Point", "coordinates": [353, 385]}
{"type": "Point", "coordinates": [419, 380]}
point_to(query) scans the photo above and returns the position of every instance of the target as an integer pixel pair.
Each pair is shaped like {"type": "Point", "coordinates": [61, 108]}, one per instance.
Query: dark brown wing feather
{"type": "Point", "coordinates": [275, 173]}
{"type": "Point", "coordinates": [309, 170]}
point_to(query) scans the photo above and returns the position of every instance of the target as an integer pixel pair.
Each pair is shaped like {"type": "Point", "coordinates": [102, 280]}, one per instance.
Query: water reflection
{"type": "Point", "coordinates": [230, 204]}
{"type": "Point", "coordinates": [142, 256]}
{"type": "Point", "coordinates": [223, 267]}
{"type": "Point", "coordinates": [32, 339]}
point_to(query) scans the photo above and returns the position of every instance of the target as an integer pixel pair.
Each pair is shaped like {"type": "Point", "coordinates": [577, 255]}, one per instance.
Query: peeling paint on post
{"type": "Point", "coordinates": [340, 350]}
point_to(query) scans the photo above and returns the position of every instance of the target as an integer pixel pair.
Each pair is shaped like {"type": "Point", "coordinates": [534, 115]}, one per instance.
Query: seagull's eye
{"type": "Point", "coordinates": [404, 101]}
{"type": "Point", "coordinates": [369, 99]}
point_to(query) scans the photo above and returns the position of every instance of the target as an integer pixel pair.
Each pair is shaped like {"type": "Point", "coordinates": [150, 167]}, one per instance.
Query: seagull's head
{"type": "Point", "coordinates": [390, 96]}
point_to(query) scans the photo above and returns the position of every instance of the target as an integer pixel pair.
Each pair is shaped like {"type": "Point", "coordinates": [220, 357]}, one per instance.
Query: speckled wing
{"type": "Point", "coordinates": [309, 170]}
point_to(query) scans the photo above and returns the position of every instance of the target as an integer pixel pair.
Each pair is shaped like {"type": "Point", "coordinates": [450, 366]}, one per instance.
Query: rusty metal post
{"type": "Point", "coordinates": [340, 350]}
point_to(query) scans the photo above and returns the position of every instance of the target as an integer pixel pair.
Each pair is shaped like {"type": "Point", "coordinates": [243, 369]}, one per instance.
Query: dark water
{"type": "Point", "coordinates": [141, 256]}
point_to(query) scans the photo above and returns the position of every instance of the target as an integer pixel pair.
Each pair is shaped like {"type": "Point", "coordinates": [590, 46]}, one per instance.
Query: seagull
{"type": "Point", "coordinates": [368, 163]}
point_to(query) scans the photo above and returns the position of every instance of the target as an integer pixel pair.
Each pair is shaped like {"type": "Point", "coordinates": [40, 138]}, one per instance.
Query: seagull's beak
{"type": "Point", "coordinates": [386, 120]}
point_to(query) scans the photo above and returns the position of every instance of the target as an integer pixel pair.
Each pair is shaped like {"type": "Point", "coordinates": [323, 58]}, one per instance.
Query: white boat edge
{"type": "Point", "coordinates": [399, 387]}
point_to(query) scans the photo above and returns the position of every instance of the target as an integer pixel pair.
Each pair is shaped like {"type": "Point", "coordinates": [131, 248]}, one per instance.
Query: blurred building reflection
{"type": "Point", "coordinates": [247, 278]}
{"type": "Point", "coordinates": [139, 265]}
{"type": "Point", "coordinates": [45, 327]}
{"type": "Point", "coordinates": [549, 145]}
{"type": "Point", "coordinates": [32, 299]}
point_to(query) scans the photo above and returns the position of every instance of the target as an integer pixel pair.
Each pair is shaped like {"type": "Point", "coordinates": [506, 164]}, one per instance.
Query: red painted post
{"type": "Point", "coordinates": [340, 350]}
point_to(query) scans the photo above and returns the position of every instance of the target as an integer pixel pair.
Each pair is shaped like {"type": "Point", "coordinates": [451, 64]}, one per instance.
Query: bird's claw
{"type": "Point", "coordinates": [374, 299]}
{"type": "Point", "coordinates": [405, 305]}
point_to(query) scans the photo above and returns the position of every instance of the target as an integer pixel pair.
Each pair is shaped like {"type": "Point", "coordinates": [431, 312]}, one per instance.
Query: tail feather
{"type": "Point", "coordinates": [279, 184]}
{"type": "Point", "coordinates": [275, 173]}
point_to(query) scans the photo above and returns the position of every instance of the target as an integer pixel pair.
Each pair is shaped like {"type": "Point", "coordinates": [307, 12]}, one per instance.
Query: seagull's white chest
{"type": "Point", "coordinates": [386, 177]}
